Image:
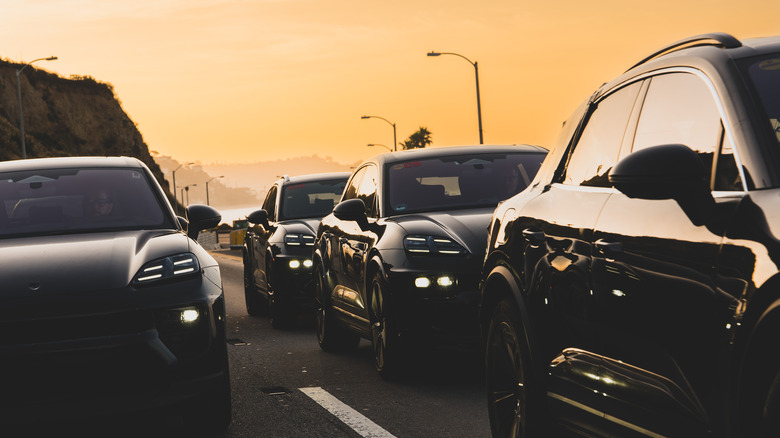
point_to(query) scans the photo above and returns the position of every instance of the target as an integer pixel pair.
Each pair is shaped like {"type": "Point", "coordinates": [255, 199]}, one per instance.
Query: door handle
{"type": "Point", "coordinates": [534, 237]}
{"type": "Point", "coordinates": [607, 248]}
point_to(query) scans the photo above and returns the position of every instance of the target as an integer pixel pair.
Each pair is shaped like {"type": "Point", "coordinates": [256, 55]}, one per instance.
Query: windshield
{"type": "Point", "coordinates": [54, 201]}
{"type": "Point", "coordinates": [459, 181]}
{"type": "Point", "coordinates": [764, 73]}
{"type": "Point", "coordinates": [312, 199]}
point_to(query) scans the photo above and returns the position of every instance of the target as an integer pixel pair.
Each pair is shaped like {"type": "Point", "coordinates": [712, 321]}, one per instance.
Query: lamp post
{"type": "Point", "coordinates": [207, 187]}
{"type": "Point", "coordinates": [395, 141]}
{"type": "Point", "coordinates": [187, 191]}
{"type": "Point", "coordinates": [386, 147]}
{"type": "Point", "coordinates": [476, 75]}
{"type": "Point", "coordinates": [173, 175]}
{"type": "Point", "coordinates": [19, 95]}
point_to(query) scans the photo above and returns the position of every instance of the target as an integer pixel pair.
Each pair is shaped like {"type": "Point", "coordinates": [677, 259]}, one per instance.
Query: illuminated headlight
{"type": "Point", "coordinates": [179, 265]}
{"type": "Point", "coordinates": [432, 245]}
{"type": "Point", "coordinates": [295, 264]}
{"type": "Point", "coordinates": [422, 282]}
{"type": "Point", "coordinates": [189, 316]}
{"type": "Point", "coordinates": [445, 281]}
{"type": "Point", "coordinates": [297, 239]}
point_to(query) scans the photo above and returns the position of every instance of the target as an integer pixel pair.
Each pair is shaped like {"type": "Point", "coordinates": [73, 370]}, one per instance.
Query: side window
{"type": "Point", "coordinates": [269, 204]}
{"type": "Point", "coordinates": [367, 190]}
{"type": "Point", "coordinates": [350, 191]}
{"type": "Point", "coordinates": [598, 147]}
{"type": "Point", "coordinates": [679, 108]}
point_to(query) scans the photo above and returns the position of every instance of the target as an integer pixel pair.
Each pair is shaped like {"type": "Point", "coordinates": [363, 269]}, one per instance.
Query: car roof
{"type": "Point", "coordinates": [298, 179]}
{"type": "Point", "coordinates": [424, 153]}
{"type": "Point", "coordinates": [707, 51]}
{"type": "Point", "coordinates": [66, 162]}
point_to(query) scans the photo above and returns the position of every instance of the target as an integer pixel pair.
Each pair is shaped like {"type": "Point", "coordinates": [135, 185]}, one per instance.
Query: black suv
{"type": "Point", "coordinates": [633, 288]}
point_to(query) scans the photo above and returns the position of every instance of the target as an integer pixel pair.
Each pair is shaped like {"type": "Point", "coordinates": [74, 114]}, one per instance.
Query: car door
{"type": "Point", "coordinates": [355, 244]}
{"type": "Point", "coordinates": [259, 235]}
{"type": "Point", "coordinates": [661, 316]}
{"type": "Point", "coordinates": [557, 227]}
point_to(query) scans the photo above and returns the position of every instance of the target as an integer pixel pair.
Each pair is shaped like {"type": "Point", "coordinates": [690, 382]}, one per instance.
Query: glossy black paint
{"type": "Point", "coordinates": [79, 338]}
{"type": "Point", "coordinates": [650, 308]}
{"type": "Point", "coordinates": [271, 284]}
{"type": "Point", "coordinates": [357, 244]}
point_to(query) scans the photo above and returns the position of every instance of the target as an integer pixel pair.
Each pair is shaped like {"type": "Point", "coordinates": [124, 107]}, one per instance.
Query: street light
{"type": "Point", "coordinates": [187, 191]}
{"type": "Point", "coordinates": [395, 141]}
{"type": "Point", "coordinates": [173, 174]}
{"type": "Point", "coordinates": [207, 187]}
{"type": "Point", "coordinates": [476, 74]}
{"type": "Point", "coordinates": [19, 95]}
{"type": "Point", "coordinates": [386, 147]}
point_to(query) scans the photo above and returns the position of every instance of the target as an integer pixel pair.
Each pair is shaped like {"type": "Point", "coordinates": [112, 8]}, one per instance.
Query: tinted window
{"type": "Point", "coordinates": [764, 73]}
{"type": "Point", "coordinates": [350, 191]}
{"type": "Point", "coordinates": [311, 199]}
{"type": "Point", "coordinates": [598, 147]}
{"type": "Point", "coordinates": [367, 190]}
{"type": "Point", "coordinates": [680, 108]}
{"type": "Point", "coordinates": [54, 201]}
{"type": "Point", "coordinates": [269, 205]}
{"type": "Point", "coordinates": [464, 181]}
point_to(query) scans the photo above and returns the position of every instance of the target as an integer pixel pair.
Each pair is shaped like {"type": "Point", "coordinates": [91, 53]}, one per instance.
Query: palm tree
{"type": "Point", "coordinates": [419, 139]}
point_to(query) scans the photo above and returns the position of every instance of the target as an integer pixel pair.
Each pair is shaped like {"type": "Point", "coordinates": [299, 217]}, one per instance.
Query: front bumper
{"type": "Point", "coordinates": [445, 314]}
{"type": "Point", "coordinates": [293, 285]}
{"type": "Point", "coordinates": [99, 356]}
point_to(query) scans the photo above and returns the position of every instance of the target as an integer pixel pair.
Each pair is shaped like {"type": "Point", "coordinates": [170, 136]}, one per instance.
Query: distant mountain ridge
{"type": "Point", "coordinates": [259, 176]}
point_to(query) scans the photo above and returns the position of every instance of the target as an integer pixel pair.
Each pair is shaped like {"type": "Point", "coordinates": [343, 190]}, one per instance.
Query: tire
{"type": "Point", "coordinates": [770, 418]}
{"type": "Point", "coordinates": [330, 335]}
{"type": "Point", "coordinates": [255, 304]}
{"type": "Point", "coordinates": [212, 413]}
{"type": "Point", "coordinates": [515, 399]}
{"type": "Point", "coordinates": [390, 357]}
{"type": "Point", "coordinates": [281, 316]}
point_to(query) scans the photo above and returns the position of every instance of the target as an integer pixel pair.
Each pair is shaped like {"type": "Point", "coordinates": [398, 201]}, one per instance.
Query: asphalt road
{"type": "Point", "coordinates": [285, 386]}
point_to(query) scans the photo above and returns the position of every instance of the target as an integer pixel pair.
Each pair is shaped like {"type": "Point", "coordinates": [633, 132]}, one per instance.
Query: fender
{"type": "Point", "coordinates": [501, 282]}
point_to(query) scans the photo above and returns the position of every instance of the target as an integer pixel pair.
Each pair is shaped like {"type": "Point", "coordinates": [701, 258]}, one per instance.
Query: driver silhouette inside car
{"type": "Point", "coordinates": [98, 203]}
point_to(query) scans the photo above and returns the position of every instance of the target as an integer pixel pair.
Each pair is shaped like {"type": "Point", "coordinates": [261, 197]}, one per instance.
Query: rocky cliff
{"type": "Point", "coordinates": [78, 116]}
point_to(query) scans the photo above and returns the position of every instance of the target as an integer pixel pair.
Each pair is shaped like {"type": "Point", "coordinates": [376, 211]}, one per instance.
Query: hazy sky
{"type": "Point", "coordinates": [248, 80]}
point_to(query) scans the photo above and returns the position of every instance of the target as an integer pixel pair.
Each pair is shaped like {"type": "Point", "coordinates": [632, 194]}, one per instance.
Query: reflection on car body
{"type": "Point", "coordinates": [278, 246]}
{"type": "Point", "coordinates": [398, 260]}
{"type": "Point", "coordinates": [632, 290]}
{"type": "Point", "coordinates": [106, 313]}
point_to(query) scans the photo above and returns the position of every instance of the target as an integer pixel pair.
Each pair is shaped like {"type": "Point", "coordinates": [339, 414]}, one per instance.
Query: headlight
{"type": "Point", "coordinates": [433, 245]}
{"type": "Point", "coordinates": [297, 239]}
{"type": "Point", "coordinates": [179, 265]}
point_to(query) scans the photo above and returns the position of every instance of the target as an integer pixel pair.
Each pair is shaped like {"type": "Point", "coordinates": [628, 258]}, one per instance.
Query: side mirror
{"type": "Point", "coordinates": [258, 217]}
{"type": "Point", "coordinates": [672, 171]}
{"type": "Point", "coordinates": [352, 210]}
{"type": "Point", "coordinates": [201, 217]}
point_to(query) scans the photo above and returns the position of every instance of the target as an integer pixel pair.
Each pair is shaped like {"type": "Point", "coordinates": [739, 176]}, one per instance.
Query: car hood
{"type": "Point", "coordinates": [467, 227]}
{"type": "Point", "coordinates": [307, 225]}
{"type": "Point", "coordinates": [51, 265]}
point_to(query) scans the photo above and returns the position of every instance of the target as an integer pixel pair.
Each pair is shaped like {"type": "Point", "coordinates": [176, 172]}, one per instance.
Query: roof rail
{"type": "Point", "coordinates": [720, 39]}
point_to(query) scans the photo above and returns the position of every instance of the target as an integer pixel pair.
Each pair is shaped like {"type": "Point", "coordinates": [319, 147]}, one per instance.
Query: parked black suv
{"type": "Point", "coordinates": [633, 289]}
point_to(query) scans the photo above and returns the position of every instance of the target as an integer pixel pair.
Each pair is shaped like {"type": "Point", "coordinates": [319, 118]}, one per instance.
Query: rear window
{"type": "Point", "coordinates": [56, 201]}
{"type": "Point", "coordinates": [453, 182]}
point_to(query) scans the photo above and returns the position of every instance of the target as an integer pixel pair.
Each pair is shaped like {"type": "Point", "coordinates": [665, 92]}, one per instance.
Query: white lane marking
{"type": "Point", "coordinates": [352, 418]}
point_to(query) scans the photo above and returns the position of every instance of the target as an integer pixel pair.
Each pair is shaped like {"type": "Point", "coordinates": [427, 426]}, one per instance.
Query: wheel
{"type": "Point", "coordinates": [255, 305]}
{"type": "Point", "coordinates": [281, 315]}
{"type": "Point", "coordinates": [515, 403]}
{"type": "Point", "coordinates": [330, 335]}
{"type": "Point", "coordinates": [389, 356]}
{"type": "Point", "coordinates": [211, 413]}
{"type": "Point", "coordinates": [770, 418]}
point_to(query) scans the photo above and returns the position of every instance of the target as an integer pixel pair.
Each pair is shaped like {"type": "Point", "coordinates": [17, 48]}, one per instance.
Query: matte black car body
{"type": "Point", "coordinates": [279, 243]}
{"type": "Point", "coordinates": [398, 262]}
{"type": "Point", "coordinates": [106, 315]}
{"type": "Point", "coordinates": [633, 289]}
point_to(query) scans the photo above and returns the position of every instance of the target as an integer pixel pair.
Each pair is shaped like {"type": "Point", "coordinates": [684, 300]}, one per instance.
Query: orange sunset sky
{"type": "Point", "coordinates": [223, 81]}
